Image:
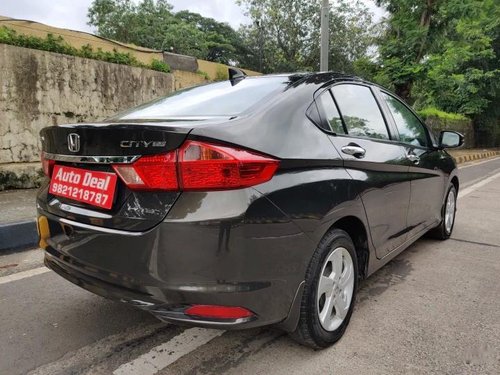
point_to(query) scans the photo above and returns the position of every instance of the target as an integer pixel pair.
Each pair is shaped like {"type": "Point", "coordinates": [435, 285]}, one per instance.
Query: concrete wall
{"type": "Point", "coordinates": [185, 79]}
{"type": "Point", "coordinates": [212, 68]}
{"type": "Point", "coordinates": [40, 88]}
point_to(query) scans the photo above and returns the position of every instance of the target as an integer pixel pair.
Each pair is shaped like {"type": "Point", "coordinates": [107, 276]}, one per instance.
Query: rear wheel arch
{"type": "Point", "coordinates": [355, 228]}
{"type": "Point", "coordinates": [455, 182]}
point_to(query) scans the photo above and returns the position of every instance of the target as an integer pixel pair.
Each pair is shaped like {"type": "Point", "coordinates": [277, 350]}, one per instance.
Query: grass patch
{"type": "Point", "coordinates": [434, 112]}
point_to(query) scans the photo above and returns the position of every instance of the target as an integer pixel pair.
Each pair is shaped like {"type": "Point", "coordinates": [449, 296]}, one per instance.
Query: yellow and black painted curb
{"type": "Point", "coordinates": [475, 156]}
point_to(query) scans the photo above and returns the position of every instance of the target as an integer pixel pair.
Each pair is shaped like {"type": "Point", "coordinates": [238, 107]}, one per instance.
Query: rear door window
{"type": "Point", "coordinates": [331, 113]}
{"type": "Point", "coordinates": [360, 111]}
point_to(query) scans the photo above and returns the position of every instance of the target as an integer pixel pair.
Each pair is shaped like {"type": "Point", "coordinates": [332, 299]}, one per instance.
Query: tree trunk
{"type": "Point", "coordinates": [425, 22]}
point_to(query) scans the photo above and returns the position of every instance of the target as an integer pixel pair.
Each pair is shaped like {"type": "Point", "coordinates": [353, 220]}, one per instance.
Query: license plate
{"type": "Point", "coordinates": [91, 187]}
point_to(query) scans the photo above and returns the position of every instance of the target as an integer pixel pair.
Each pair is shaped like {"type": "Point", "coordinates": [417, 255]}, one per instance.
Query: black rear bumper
{"type": "Point", "coordinates": [253, 262]}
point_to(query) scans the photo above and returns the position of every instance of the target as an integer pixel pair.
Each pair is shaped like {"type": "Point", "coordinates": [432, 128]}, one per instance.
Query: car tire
{"type": "Point", "coordinates": [444, 230]}
{"type": "Point", "coordinates": [324, 317]}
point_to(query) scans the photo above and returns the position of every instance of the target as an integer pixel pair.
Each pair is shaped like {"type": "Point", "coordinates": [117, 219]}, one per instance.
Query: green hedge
{"type": "Point", "coordinates": [57, 44]}
{"type": "Point", "coordinates": [434, 112]}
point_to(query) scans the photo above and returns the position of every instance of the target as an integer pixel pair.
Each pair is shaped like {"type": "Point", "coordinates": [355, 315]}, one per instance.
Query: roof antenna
{"type": "Point", "coordinates": [236, 75]}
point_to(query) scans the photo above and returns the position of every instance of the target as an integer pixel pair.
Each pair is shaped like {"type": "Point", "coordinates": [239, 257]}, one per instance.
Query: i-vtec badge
{"type": "Point", "coordinates": [145, 144]}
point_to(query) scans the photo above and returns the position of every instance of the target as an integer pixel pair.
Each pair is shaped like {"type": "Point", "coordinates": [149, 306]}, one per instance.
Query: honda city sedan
{"type": "Point", "coordinates": [248, 202]}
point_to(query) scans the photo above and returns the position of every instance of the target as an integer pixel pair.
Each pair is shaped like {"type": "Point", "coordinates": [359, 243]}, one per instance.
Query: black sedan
{"type": "Point", "coordinates": [250, 202]}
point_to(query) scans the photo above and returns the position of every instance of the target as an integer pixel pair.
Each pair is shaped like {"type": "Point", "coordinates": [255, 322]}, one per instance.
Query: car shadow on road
{"type": "Point", "coordinates": [393, 273]}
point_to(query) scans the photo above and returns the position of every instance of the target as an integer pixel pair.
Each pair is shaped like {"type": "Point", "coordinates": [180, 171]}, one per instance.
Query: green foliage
{"type": "Point", "coordinates": [160, 66]}
{"type": "Point", "coordinates": [57, 44]}
{"type": "Point", "coordinates": [444, 54]}
{"type": "Point", "coordinates": [284, 35]}
{"type": "Point", "coordinates": [153, 24]}
{"type": "Point", "coordinates": [464, 73]}
{"type": "Point", "coordinates": [370, 70]}
{"type": "Point", "coordinates": [203, 74]}
{"type": "Point", "coordinates": [411, 31]}
{"type": "Point", "coordinates": [435, 112]}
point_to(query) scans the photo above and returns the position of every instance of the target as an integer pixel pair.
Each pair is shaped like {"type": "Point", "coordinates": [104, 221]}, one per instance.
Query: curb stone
{"type": "Point", "coordinates": [476, 156]}
{"type": "Point", "coordinates": [18, 236]}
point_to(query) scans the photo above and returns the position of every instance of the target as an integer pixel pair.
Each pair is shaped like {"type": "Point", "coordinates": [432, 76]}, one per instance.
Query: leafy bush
{"type": "Point", "coordinates": [160, 66]}
{"type": "Point", "coordinates": [434, 112]}
{"type": "Point", "coordinates": [57, 44]}
{"type": "Point", "coordinates": [203, 74]}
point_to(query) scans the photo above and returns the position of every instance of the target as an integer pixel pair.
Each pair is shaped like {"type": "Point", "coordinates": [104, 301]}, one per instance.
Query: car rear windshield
{"type": "Point", "coordinates": [216, 99]}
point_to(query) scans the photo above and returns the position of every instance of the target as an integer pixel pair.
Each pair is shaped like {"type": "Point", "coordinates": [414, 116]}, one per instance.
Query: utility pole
{"type": "Point", "coordinates": [325, 35]}
{"type": "Point", "coordinates": [261, 43]}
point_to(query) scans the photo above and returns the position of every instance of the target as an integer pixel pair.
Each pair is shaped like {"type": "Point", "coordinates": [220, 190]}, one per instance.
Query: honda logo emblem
{"type": "Point", "coordinates": [73, 142]}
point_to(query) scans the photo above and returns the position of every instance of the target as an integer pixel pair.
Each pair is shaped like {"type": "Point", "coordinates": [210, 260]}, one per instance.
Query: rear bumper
{"type": "Point", "coordinates": [163, 311]}
{"type": "Point", "coordinates": [249, 260]}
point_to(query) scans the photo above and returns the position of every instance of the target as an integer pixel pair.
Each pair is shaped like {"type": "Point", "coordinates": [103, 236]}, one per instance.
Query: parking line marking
{"type": "Point", "coordinates": [167, 353]}
{"type": "Point", "coordinates": [23, 275]}
{"type": "Point", "coordinates": [477, 185]}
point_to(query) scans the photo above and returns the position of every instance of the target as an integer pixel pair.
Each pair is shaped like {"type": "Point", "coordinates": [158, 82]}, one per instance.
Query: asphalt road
{"type": "Point", "coordinates": [433, 309]}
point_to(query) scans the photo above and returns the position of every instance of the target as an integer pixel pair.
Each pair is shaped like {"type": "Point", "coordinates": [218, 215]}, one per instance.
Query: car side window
{"type": "Point", "coordinates": [360, 111]}
{"type": "Point", "coordinates": [331, 113]}
{"type": "Point", "coordinates": [409, 126]}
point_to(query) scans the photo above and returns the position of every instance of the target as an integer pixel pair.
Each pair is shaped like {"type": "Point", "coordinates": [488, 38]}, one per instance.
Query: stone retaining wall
{"type": "Point", "coordinates": [39, 88]}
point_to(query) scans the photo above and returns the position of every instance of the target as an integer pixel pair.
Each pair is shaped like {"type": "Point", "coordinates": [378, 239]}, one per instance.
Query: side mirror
{"type": "Point", "coordinates": [449, 139]}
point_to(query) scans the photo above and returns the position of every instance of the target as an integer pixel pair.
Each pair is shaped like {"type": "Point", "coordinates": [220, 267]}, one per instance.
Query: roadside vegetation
{"type": "Point", "coordinates": [434, 112]}
{"type": "Point", "coordinates": [57, 44]}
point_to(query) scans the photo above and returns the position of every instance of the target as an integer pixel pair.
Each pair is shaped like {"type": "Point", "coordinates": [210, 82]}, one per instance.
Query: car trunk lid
{"type": "Point", "coordinates": [91, 150]}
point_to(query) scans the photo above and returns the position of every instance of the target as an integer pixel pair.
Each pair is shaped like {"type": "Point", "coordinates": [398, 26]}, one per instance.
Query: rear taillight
{"type": "Point", "coordinates": [198, 166]}
{"type": "Point", "coordinates": [205, 166]}
{"type": "Point", "coordinates": [47, 165]}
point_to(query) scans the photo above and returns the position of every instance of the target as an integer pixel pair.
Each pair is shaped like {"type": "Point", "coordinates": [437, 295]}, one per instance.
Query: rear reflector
{"type": "Point", "coordinates": [218, 312]}
{"type": "Point", "coordinates": [198, 166]}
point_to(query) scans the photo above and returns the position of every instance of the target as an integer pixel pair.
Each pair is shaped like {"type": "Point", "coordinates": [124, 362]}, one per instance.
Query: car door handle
{"type": "Point", "coordinates": [413, 158]}
{"type": "Point", "coordinates": [354, 150]}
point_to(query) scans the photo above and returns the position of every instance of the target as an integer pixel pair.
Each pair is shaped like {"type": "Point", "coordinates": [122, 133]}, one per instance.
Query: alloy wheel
{"type": "Point", "coordinates": [335, 289]}
{"type": "Point", "coordinates": [449, 215]}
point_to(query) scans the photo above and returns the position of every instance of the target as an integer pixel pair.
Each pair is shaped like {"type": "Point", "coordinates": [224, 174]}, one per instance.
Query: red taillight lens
{"type": "Point", "coordinates": [47, 165]}
{"type": "Point", "coordinates": [205, 166]}
{"type": "Point", "coordinates": [157, 172]}
{"type": "Point", "coordinates": [198, 166]}
{"type": "Point", "coordinates": [218, 312]}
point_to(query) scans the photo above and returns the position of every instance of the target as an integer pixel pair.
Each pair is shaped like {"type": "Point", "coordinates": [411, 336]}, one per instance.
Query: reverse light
{"type": "Point", "coordinates": [157, 172]}
{"type": "Point", "coordinates": [47, 165]}
{"type": "Point", "coordinates": [218, 312]}
{"type": "Point", "coordinates": [198, 166]}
